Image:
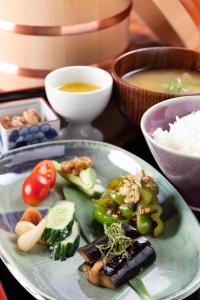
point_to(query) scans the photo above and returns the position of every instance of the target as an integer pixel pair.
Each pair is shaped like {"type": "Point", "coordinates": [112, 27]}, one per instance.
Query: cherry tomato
{"type": "Point", "coordinates": [35, 189]}
{"type": "Point", "coordinates": [46, 168]}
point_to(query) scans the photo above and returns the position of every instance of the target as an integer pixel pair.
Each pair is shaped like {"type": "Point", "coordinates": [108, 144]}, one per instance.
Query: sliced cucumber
{"type": "Point", "coordinates": [60, 222]}
{"type": "Point", "coordinates": [86, 182]}
{"type": "Point", "coordinates": [67, 247]}
{"type": "Point", "coordinates": [88, 177]}
{"type": "Point", "coordinates": [57, 165]}
{"type": "Point", "coordinates": [96, 191]}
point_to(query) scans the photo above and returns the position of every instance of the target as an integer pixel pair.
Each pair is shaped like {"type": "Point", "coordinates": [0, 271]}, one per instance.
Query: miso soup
{"type": "Point", "coordinates": [166, 80]}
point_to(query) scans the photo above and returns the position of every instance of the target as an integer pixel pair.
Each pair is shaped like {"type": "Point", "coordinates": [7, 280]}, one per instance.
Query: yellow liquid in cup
{"type": "Point", "coordinates": [79, 87]}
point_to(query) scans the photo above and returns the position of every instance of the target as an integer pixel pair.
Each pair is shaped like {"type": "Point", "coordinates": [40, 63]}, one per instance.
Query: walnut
{"type": "Point", "coordinates": [130, 189]}
{"type": "Point", "coordinates": [17, 121]}
{"type": "Point", "coordinates": [76, 165]}
{"type": "Point", "coordinates": [6, 122]}
{"type": "Point", "coordinates": [150, 183]}
{"type": "Point", "coordinates": [144, 210]}
{"type": "Point", "coordinates": [31, 116]}
{"type": "Point", "coordinates": [34, 111]}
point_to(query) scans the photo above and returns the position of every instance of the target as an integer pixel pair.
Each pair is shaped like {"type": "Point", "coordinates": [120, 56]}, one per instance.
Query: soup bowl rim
{"type": "Point", "coordinates": [148, 135]}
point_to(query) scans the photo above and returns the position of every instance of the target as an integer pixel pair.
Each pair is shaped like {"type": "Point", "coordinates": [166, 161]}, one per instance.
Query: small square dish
{"type": "Point", "coordinates": [18, 132]}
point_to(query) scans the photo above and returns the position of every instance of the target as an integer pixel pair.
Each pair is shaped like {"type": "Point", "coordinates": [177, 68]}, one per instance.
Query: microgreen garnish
{"type": "Point", "coordinates": [117, 242]}
{"type": "Point", "coordinates": [176, 86]}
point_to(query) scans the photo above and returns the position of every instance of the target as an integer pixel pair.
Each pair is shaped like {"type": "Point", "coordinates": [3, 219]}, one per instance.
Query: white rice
{"type": "Point", "coordinates": [183, 135]}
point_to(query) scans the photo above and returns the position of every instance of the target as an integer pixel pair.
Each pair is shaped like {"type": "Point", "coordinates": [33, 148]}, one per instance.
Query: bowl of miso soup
{"type": "Point", "coordinates": [147, 76]}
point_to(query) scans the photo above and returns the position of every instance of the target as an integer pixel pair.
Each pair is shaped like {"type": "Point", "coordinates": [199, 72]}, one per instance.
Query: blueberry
{"type": "Point", "coordinates": [51, 134]}
{"type": "Point", "coordinates": [45, 127]}
{"type": "Point", "coordinates": [34, 129]}
{"type": "Point", "coordinates": [29, 138]}
{"type": "Point", "coordinates": [40, 136]}
{"type": "Point", "coordinates": [20, 144]}
{"type": "Point", "coordinates": [24, 131]}
{"type": "Point", "coordinates": [20, 139]}
{"type": "Point", "coordinates": [13, 136]}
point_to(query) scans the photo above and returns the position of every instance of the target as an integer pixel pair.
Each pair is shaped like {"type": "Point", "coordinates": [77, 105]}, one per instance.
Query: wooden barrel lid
{"type": "Point", "coordinates": [172, 21]}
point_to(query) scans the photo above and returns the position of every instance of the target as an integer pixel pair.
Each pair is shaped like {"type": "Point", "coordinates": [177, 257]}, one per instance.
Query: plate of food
{"type": "Point", "coordinates": [87, 220]}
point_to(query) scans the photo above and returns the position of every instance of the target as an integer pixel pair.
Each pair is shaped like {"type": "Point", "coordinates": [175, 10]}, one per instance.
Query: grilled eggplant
{"type": "Point", "coordinates": [120, 268]}
{"type": "Point", "coordinates": [90, 252]}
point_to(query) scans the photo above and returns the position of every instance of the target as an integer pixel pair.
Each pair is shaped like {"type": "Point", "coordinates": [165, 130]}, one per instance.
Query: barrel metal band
{"type": "Point", "coordinates": [13, 69]}
{"type": "Point", "coordinates": [66, 30]}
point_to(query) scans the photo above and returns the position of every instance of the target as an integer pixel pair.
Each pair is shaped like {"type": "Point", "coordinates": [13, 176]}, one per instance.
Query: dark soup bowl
{"type": "Point", "coordinates": [133, 100]}
{"type": "Point", "coordinates": [181, 168]}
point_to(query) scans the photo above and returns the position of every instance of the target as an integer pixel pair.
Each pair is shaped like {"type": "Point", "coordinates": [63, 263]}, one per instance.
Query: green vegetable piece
{"type": "Point", "coordinates": [88, 178]}
{"type": "Point", "coordinates": [84, 211]}
{"type": "Point", "coordinates": [114, 183]}
{"type": "Point", "coordinates": [155, 216]}
{"type": "Point", "coordinates": [105, 201]}
{"type": "Point", "coordinates": [101, 216]}
{"type": "Point", "coordinates": [140, 288]}
{"type": "Point", "coordinates": [154, 188]}
{"type": "Point", "coordinates": [111, 198]}
{"type": "Point", "coordinates": [144, 224]}
{"type": "Point", "coordinates": [60, 222]}
{"type": "Point", "coordinates": [119, 198]}
{"type": "Point", "coordinates": [57, 165]}
{"type": "Point", "coordinates": [176, 86]}
{"type": "Point", "coordinates": [92, 189]}
{"type": "Point", "coordinates": [96, 191]}
{"type": "Point", "coordinates": [60, 180]}
{"type": "Point", "coordinates": [76, 180]}
{"type": "Point", "coordinates": [146, 196]}
{"type": "Point", "coordinates": [117, 242]}
{"type": "Point", "coordinates": [126, 211]}
{"type": "Point", "coordinates": [66, 248]}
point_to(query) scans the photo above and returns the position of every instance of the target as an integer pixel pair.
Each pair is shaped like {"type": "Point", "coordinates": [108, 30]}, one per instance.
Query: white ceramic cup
{"type": "Point", "coordinates": [79, 108]}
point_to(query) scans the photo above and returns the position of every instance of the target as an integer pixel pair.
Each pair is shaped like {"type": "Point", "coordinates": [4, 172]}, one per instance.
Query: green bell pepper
{"type": "Point", "coordinates": [126, 211]}
{"type": "Point", "coordinates": [114, 183]}
{"type": "Point", "coordinates": [144, 224]}
{"type": "Point", "coordinates": [102, 217]}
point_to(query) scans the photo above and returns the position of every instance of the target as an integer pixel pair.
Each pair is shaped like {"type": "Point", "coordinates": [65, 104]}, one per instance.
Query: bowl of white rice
{"type": "Point", "coordinates": [172, 131]}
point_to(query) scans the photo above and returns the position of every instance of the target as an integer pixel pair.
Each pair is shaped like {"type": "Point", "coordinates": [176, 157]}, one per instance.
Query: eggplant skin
{"type": "Point", "coordinates": [120, 269]}
{"type": "Point", "coordinates": [91, 254]}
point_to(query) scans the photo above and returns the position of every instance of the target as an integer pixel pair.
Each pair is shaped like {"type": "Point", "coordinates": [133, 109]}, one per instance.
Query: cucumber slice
{"type": "Point", "coordinates": [57, 165]}
{"type": "Point", "coordinates": [85, 181]}
{"type": "Point", "coordinates": [60, 222]}
{"type": "Point", "coordinates": [96, 191]}
{"type": "Point", "coordinates": [67, 247]}
{"type": "Point", "coordinates": [92, 189]}
{"type": "Point", "coordinates": [88, 177]}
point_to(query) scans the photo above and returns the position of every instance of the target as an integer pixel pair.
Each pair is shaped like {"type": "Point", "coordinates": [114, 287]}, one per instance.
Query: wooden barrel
{"type": "Point", "coordinates": [173, 21]}
{"type": "Point", "coordinates": [37, 36]}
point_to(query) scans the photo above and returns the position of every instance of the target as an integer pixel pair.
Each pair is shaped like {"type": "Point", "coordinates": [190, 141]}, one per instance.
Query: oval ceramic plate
{"type": "Point", "coordinates": [176, 273]}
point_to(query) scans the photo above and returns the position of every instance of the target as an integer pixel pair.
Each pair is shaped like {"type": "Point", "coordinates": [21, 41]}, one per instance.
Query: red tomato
{"type": "Point", "coordinates": [35, 189]}
{"type": "Point", "coordinates": [46, 168]}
